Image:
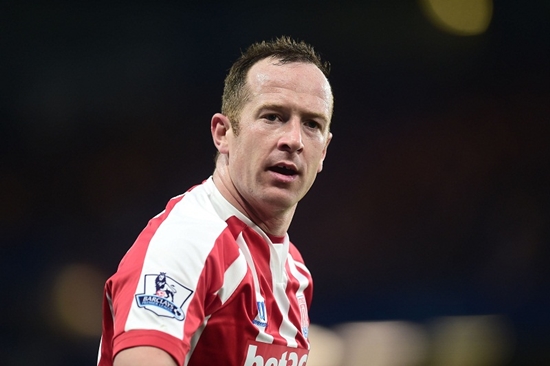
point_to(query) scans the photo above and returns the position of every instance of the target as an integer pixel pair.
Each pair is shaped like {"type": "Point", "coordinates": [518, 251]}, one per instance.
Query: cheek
{"type": "Point", "coordinates": [243, 158]}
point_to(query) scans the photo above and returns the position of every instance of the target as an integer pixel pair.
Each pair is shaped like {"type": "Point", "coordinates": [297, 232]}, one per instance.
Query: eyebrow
{"type": "Point", "coordinates": [281, 107]}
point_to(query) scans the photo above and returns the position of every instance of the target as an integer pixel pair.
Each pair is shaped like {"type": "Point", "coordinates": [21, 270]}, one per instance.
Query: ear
{"type": "Point", "coordinates": [220, 127]}
{"type": "Point", "coordinates": [329, 138]}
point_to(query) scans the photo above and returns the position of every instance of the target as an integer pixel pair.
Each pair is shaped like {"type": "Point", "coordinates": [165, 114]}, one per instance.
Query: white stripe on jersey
{"type": "Point", "coordinates": [232, 278]}
{"type": "Point", "coordinates": [278, 257]}
{"type": "Point", "coordinates": [287, 330]}
{"type": "Point", "coordinates": [100, 348]}
{"type": "Point", "coordinates": [302, 266]}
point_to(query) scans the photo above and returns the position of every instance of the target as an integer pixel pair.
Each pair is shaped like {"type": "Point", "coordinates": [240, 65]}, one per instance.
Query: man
{"type": "Point", "coordinates": [214, 279]}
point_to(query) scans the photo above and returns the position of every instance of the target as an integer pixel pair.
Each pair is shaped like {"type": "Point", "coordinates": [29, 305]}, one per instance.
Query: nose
{"type": "Point", "coordinates": [291, 138]}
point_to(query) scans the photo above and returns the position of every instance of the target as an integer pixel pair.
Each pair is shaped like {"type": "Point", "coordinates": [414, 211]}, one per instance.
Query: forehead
{"type": "Point", "coordinates": [270, 76]}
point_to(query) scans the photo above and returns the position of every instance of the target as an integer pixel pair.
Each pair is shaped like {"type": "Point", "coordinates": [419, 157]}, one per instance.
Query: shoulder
{"type": "Point", "coordinates": [190, 216]}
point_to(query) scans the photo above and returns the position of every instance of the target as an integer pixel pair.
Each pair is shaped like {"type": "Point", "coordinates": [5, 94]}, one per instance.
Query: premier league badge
{"type": "Point", "coordinates": [163, 296]}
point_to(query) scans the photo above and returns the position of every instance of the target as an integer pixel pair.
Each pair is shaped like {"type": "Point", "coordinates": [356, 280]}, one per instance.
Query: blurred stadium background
{"type": "Point", "coordinates": [427, 233]}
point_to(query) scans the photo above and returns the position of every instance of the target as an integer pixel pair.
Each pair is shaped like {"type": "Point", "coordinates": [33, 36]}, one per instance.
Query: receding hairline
{"type": "Point", "coordinates": [326, 87]}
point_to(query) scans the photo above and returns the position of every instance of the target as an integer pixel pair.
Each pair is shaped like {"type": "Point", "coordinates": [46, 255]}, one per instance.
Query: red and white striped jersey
{"type": "Point", "coordinates": [208, 286]}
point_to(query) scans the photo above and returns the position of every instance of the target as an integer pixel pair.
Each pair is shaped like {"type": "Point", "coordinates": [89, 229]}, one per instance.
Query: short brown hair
{"type": "Point", "coordinates": [284, 49]}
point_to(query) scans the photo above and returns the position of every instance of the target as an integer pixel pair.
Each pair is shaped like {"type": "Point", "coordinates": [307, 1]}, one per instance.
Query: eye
{"type": "Point", "coordinates": [313, 124]}
{"type": "Point", "coordinates": [271, 117]}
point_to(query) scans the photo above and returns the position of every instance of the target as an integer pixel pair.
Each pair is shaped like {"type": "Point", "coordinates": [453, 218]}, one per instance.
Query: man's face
{"type": "Point", "coordinates": [283, 134]}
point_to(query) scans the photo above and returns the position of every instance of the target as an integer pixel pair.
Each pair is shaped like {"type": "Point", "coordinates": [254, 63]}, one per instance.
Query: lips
{"type": "Point", "coordinates": [284, 169]}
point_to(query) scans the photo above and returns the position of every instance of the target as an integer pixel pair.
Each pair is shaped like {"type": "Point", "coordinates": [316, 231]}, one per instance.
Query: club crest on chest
{"type": "Point", "coordinates": [261, 318]}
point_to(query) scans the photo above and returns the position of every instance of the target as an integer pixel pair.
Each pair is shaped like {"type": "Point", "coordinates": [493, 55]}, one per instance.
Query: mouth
{"type": "Point", "coordinates": [284, 170]}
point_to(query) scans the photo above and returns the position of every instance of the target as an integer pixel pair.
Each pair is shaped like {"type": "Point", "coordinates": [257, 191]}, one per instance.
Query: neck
{"type": "Point", "coordinates": [274, 221]}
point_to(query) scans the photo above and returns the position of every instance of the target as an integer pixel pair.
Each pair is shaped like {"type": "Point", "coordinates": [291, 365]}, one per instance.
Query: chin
{"type": "Point", "coordinates": [285, 201]}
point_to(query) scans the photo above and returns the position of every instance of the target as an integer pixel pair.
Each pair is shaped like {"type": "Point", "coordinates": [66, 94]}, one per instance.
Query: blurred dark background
{"type": "Point", "coordinates": [433, 202]}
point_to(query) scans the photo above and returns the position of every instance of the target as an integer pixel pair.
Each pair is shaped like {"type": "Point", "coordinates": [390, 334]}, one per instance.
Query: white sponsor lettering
{"type": "Point", "coordinates": [252, 359]}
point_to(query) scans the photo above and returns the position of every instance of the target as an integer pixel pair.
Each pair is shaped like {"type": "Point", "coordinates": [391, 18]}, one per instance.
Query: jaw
{"type": "Point", "coordinates": [281, 190]}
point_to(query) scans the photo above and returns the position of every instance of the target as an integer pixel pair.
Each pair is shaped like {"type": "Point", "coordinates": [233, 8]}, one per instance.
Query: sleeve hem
{"type": "Point", "coordinates": [152, 338]}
